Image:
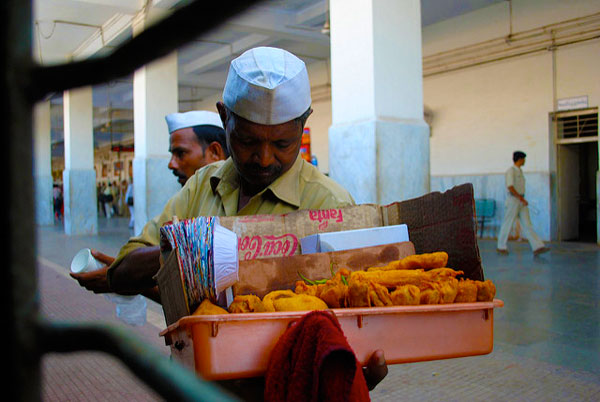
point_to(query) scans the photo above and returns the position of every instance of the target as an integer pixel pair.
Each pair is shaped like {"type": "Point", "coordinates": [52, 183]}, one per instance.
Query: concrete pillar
{"type": "Point", "coordinates": [154, 96]}
{"type": "Point", "coordinates": [378, 140]}
{"type": "Point", "coordinates": [79, 176]}
{"type": "Point", "coordinates": [42, 147]}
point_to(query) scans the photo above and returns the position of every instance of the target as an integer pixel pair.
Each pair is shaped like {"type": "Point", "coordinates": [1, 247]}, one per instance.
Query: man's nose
{"type": "Point", "coordinates": [265, 155]}
{"type": "Point", "coordinates": [172, 163]}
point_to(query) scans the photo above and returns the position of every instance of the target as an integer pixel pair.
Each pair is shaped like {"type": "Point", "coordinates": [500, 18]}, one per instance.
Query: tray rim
{"type": "Point", "coordinates": [191, 320]}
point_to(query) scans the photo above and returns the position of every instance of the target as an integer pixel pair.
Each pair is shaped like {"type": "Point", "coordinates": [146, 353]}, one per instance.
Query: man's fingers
{"type": "Point", "coordinates": [376, 369]}
{"type": "Point", "coordinates": [106, 259]}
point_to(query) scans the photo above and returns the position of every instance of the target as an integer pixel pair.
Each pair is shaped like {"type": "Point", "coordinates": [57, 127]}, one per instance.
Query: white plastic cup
{"type": "Point", "coordinates": [84, 261]}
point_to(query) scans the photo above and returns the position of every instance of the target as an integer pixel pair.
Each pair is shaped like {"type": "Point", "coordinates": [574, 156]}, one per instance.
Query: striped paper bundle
{"type": "Point", "coordinates": [206, 255]}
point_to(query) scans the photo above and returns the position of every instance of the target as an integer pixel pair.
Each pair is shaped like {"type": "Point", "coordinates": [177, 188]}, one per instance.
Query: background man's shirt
{"type": "Point", "coordinates": [514, 177]}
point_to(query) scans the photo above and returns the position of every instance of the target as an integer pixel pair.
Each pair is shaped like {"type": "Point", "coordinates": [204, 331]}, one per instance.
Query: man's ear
{"type": "Point", "coordinates": [214, 152]}
{"type": "Point", "coordinates": [222, 113]}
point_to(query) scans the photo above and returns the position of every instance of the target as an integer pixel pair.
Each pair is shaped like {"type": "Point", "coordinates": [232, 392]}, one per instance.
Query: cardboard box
{"type": "Point", "coordinates": [436, 222]}
{"type": "Point", "coordinates": [353, 239]}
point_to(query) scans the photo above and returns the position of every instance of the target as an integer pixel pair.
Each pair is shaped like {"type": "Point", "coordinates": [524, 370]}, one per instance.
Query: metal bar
{"type": "Point", "coordinates": [22, 83]}
{"type": "Point", "coordinates": [578, 140]}
{"type": "Point", "coordinates": [167, 377]}
{"type": "Point", "coordinates": [181, 27]}
{"type": "Point", "coordinates": [19, 299]}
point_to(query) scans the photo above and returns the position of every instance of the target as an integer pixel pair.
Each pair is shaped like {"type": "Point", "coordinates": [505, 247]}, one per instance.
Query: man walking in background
{"type": "Point", "coordinates": [516, 206]}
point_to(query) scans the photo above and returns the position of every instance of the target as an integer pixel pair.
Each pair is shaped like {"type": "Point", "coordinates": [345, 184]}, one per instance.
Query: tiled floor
{"type": "Point", "coordinates": [546, 337]}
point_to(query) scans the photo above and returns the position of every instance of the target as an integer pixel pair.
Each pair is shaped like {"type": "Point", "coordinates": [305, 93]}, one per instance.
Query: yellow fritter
{"type": "Point", "coordinates": [379, 296]}
{"type": "Point", "coordinates": [448, 289]}
{"type": "Point", "coordinates": [208, 308]}
{"type": "Point", "coordinates": [303, 288]}
{"type": "Point", "coordinates": [467, 291]}
{"type": "Point", "coordinates": [299, 303]}
{"type": "Point", "coordinates": [246, 304]}
{"type": "Point", "coordinates": [425, 261]}
{"type": "Point", "coordinates": [486, 290]}
{"type": "Point", "coordinates": [276, 294]}
{"type": "Point", "coordinates": [406, 295]}
{"type": "Point", "coordinates": [358, 293]}
{"type": "Point", "coordinates": [429, 296]}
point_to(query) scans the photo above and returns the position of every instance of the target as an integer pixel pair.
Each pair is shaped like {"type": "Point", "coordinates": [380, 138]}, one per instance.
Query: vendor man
{"type": "Point", "coordinates": [266, 101]}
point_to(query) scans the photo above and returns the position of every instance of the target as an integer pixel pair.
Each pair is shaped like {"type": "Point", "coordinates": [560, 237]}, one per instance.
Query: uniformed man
{"type": "Point", "coordinates": [196, 139]}
{"type": "Point", "coordinates": [516, 206]}
{"type": "Point", "coordinates": [266, 102]}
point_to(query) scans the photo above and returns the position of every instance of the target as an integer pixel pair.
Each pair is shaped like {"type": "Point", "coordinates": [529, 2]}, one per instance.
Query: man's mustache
{"type": "Point", "coordinates": [179, 175]}
{"type": "Point", "coordinates": [260, 170]}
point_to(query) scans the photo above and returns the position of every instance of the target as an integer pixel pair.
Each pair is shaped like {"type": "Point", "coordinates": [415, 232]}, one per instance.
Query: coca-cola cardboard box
{"type": "Point", "coordinates": [269, 245]}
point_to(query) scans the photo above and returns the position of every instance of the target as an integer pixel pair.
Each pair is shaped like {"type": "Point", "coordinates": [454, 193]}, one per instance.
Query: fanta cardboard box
{"type": "Point", "coordinates": [436, 222]}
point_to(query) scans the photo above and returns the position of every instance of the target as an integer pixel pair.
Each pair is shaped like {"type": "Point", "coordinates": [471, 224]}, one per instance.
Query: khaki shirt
{"type": "Point", "coordinates": [214, 191]}
{"type": "Point", "coordinates": [514, 177]}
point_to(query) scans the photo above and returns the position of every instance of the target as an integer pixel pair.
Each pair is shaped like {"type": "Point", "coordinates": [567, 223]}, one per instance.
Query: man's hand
{"type": "Point", "coordinates": [376, 369]}
{"type": "Point", "coordinates": [524, 201]}
{"type": "Point", "coordinates": [95, 281]}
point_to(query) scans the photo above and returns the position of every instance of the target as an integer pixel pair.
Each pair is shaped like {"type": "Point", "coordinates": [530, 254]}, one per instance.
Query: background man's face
{"type": "Point", "coordinates": [187, 154]}
{"type": "Point", "coordinates": [520, 162]}
{"type": "Point", "coordinates": [262, 153]}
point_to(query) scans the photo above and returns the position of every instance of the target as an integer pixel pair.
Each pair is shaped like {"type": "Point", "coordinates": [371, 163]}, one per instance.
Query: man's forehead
{"type": "Point", "coordinates": [182, 137]}
{"type": "Point", "coordinates": [245, 127]}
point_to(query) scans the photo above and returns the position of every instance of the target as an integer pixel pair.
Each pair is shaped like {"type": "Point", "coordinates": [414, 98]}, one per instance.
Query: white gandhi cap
{"type": "Point", "coordinates": [177, 121]}
{"type": "Point", "coordinates": [267, 85]}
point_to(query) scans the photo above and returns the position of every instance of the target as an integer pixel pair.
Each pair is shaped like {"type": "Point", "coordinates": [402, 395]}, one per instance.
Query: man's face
{"type": "Point", "coordinates": [187, 154]}
{"type": "Point", "coordinates": [520, 162]}
{"type": "Point", "coordinates": [261, 153]}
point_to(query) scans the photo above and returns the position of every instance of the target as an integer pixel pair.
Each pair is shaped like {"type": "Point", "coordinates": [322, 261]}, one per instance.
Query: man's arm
{"type": "Point", "coordinates": [134, 273]}
{"type": "Point", "coordinates": [517, 195]}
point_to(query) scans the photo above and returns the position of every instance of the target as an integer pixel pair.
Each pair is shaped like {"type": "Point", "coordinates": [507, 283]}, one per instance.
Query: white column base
{"type": "Point", "coordinates": [80, 202]}
{"type": "Point", "coordinates": [44, 204]}
{"type": "Point", "coordinates": [380, 161]}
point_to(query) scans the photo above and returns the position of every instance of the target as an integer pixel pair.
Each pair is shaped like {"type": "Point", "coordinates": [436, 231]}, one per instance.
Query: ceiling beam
{"type": "Point", "coordinates": [211, 80]}
{"type": "Point", "coordinates": [263, 26]}
{"type": "Point", "coordinates": [104, 36]}
{"type": "Point", "coordinates": [218, 56]}
{"type": "Point", "coordinates": [123, 6]}
{"type": "Point", "coordinates": [312, 11]}
{"type": "Point", "coordinates": [279, 25]}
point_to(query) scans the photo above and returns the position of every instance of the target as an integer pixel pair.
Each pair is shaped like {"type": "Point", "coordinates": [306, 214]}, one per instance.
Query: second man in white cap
{"type": "Point", "coordinates": [196, 139]}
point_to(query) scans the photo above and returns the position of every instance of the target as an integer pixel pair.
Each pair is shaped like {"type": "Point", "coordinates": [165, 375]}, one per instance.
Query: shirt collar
{"type": "Point", "coordinates": [285, 187]}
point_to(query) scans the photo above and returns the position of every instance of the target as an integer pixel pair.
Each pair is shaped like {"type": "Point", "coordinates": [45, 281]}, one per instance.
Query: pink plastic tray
{"type": "Point", "coordinates": [230, 346]}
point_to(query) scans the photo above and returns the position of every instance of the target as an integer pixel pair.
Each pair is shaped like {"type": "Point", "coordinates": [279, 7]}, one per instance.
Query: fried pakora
{"type": "Point", "coordinates": [287, 300]}
{"type": "Point", "coordinates": [467, 291]}
{"type": "Point", "coordinates": [208, 308]}
{"type": "Point", "coordinates": [358, 293]}
{"type": "Point", "coordinates": [299, 303]}
{"type": "Point", "coordinates": [406, 295]}
{"type": "Point", "coordinates": [486, 290]}
{"type": "Point", "coordinates": [246, 304]}
{"type": "Point", "coordinates": [425, 261]}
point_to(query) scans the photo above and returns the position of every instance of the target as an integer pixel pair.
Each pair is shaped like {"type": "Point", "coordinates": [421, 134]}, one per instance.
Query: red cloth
{"type": "Point", "coordinates": [312, 361]}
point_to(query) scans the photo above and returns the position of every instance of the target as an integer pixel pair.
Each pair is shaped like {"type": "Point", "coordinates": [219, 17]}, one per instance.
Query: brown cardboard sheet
{"type": "Point", "coordinates": [436, 222]}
